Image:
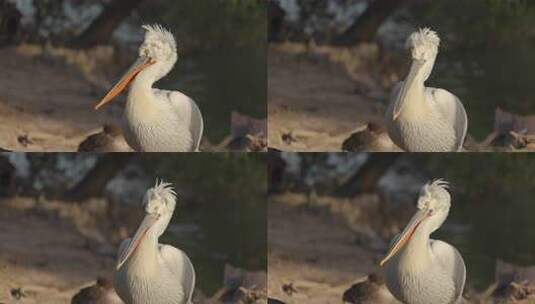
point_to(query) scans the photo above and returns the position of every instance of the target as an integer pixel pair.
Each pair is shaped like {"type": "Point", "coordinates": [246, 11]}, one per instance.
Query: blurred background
{"type": "Point", "coordinates": [485, 58]}
{"type": "Point", "coordinates": [64, 216]}
{"type": "Point", "coordinates": [60, 57]}
{"type": "Point", "coordinates": [353, 205]}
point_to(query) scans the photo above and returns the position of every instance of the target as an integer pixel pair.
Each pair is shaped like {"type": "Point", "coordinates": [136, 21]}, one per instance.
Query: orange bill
{"type": "Point", "coordinates": [123, 83]}
{"type": "Point", "coordinates": [139, 236]}
{"type": "Point", "coordinates": [405, 235]}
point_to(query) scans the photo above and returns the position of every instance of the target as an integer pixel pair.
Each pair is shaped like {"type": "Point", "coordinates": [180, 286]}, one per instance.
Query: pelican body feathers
{"type": "Point", "coordinates": [157, 120]}
{"type": "Point", "coordinates": [423, 119]}
{"type": "Point", "coordinates": [419, 270]}
{"type": "Point", "coordinates": [148, 272]}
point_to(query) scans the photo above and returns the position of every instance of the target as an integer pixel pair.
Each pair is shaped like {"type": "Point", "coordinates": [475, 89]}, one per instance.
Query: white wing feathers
{"type": "Point", "coordinates": [188, 111]}
{"type": "Point", "coordinates": [177, 260]}
{"type": "Point", "coordinates": [197, 125]}
{"type": "Point", "coordinates": [453, 110]}
{"type": "Point", "coordinates": [451, 260]}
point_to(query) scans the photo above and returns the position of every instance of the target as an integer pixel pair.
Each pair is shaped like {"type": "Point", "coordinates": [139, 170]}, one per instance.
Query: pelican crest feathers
{"type": "Point", "coordinates": [163, 190]}
{"type": "Point", "coordinates": [435, 192]}
{"type": "Point", "coordinates": [159, 42]}
{"type": "Point", "coordinates": [423, 44]}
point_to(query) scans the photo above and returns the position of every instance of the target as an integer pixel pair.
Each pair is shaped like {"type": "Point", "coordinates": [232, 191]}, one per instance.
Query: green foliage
{"type": "Point", "coordinates": [480, 22]}
{"type": "Point", "coordinates": [512, 173]}
{"type": "Point", "coordinates": [211, 24]}
{"type": "Point", "coordinates": [220, 178]}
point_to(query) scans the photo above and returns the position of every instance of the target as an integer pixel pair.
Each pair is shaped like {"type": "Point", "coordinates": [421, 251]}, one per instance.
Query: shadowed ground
{"type": "Point", "coordinates": [45, 101]}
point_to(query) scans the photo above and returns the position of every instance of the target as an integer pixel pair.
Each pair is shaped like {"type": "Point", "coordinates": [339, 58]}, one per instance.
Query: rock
{"type": "Point", "coordinates": [289, 289]}
{"type": "Point", "coordinates": [100, 293]}
{"type": "Point", "coordinates": [511, 130]}
{"type": "Point", "coordinates": [108, 140]}
{"type": "Point", "coordinates": [505, 122]}
{"type": "Point", "coordinates": [514, 292]}
{"type": "Point", "coordinates": [288, 138]}
{"type": "Point", "coordinates": [242, 286]}
{"type": "Point", "coordinates": [514, 284]}
{"type": "Point", "coordinates": [235, 277]}
{"type": "Point", "coordinates": [18, 293]}
{"type": "Point", "coordinates": [24, 140]}
{"type": "Point", "coordinates": [370, 291]}
{"type": "Point", "coordinates": [249, 143]}
{"type": "Point", "coordinates": [241, 125]}
{"type": "Point", "coordinates": [373, 138]}
{"type": "Point", "coordinates": [247, 133]}
{"type": "Point", "coordinates": [506, 272]}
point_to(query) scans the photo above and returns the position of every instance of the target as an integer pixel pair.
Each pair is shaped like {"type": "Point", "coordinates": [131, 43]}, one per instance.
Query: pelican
{"type": "Point", "coordinates": [421, 119]}
{"type": "Point", "coordinates": [156, 120]}
{"type": "Point", "coordinates": [148, 272]}
{"type": "Point", "coordinates": [420, 270]}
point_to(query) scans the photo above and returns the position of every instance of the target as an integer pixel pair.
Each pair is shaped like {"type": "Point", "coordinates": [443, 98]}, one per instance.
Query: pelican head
{"type": "Point", "coordinates": [433, 207]}
{"type": "Point", "coordinates": [159, 204]}
{"type": "Point", "coordinates": [157, 56]}
{"type": "Point", "coordinates": [159, 47]}
{"type": "Point", "coordinates": [423, 45]}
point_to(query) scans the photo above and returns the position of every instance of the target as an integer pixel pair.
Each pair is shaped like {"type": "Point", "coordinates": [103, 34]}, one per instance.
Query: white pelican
{"type": "Point", "coordinates": [420, 270]}
{"type": "Point", "coordinates": [148, 272]}
{"type": "Point", "coordinates": [157, 120]}
{"type": "Point", "coordinates": [421, 119]}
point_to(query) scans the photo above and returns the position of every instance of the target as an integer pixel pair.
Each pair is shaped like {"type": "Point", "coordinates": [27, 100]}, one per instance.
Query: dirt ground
{"type": "Point", "coordinates": [46, 103]}
{"type": "Point", "coordinates": [312, 103]}
{"type": "Point", "coordinates": [46, 256]}
{"type": "Point", "coordinates": [312, 257]}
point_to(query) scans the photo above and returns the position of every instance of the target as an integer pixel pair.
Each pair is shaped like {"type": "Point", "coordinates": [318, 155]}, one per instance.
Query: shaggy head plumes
{"type": "Point", "coordinates": [423, 44]}
{"type": "Point", "coordinates": [435, 196]}
{"type": "Point", "coordinates": [160, 199]}
{"type": "Point", "coordinates": [159, 43]}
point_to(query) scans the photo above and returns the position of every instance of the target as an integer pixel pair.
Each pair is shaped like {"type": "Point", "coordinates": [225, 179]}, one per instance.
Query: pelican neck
{"type": "Point", "coordinates": [140, 101]}
{"type": "Point", "coordinates": [145, 258]}
{"type": "Point", "coordinates": [416, 251]}
{"type": "Point", "coordinates": [415, 99]}
{"type": "Point", "coordinates": [142, 85]}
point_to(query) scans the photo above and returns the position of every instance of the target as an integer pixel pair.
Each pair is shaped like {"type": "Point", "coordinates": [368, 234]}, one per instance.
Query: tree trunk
{"type": "Point", "coordinates": [101, 30]}
{"type": "Point", "coordinates": [366, 178]}
{"type": "Point", "coordinates": [9, 23]}
{"type": "Point", "coordinates": [276, 168]}
{"type": "Point", "coordinates": [7, 176]}
{"type": "Point", "coordinates": [276, 17]}
{"type": "Point", "coordinates": [365, 27]}
{"type": "Point", "coordinates": [94, 182]}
